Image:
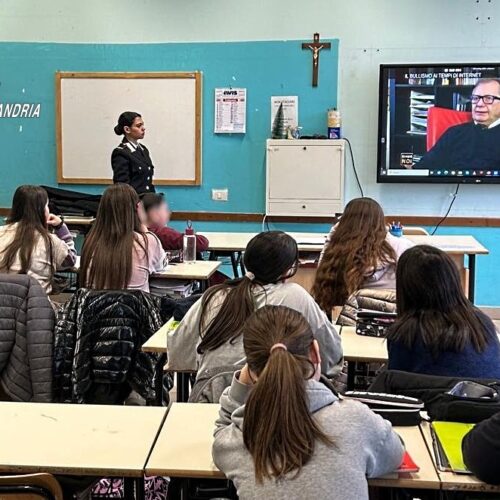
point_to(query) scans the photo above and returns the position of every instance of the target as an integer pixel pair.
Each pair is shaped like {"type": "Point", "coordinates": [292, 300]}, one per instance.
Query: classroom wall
{"type": "Point", "coordinates": [370, 33]}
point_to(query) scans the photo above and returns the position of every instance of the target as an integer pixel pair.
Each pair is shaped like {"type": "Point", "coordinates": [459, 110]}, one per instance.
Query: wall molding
{"type": "Point", "coordinates": [409, 220]}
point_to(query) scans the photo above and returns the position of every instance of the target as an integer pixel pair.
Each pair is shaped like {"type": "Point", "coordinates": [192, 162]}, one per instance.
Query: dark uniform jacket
{"type": "Point", "coordinates": [133, 166]}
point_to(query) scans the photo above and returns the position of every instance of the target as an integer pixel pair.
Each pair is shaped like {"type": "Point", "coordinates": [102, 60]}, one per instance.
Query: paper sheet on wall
{"type": "Point", "coordinates": [290, 109]}
{"type": "Point", "coordinates": [230, 111]}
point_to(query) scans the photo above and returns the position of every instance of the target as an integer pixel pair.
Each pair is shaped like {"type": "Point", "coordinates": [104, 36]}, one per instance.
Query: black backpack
{"type": "Point", "coordinates": [434, 392]}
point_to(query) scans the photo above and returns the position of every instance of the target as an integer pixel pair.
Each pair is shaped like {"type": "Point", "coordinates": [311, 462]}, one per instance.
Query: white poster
{"type": "Point", "coordinates": [230, 111]}
{"type": "Point", "coordinates": [290, 109]}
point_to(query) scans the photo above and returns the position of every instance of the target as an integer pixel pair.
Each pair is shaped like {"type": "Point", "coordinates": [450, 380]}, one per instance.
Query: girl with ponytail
{"type": "Point", "coordinates": [210, 335]}
{"type": "Point", "coordinates": [281, 432]}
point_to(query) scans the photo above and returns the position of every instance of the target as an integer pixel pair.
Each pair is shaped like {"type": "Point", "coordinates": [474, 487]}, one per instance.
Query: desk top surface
{"type": "Point", "coordinates": [158, 341]}
{"type": "Point", "coordinates": [313, 242]}
{"type": "Point", "coordinates": [184, 448]}
{"type": "Point", "coordinates": [362, 348]}
{"type": "Point", "coordinates": [77, 439]}
{"type": "Point", "coordinates": [199, 270]}
{"type": "Point", "coordinates": [450, 480]}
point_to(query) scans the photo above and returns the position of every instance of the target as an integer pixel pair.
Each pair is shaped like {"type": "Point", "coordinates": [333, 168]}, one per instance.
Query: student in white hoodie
{"type": "Point", "coordinates": [282, 434]}
{"type": "Point", "coordinates": [210, 335]}
{"type": "Point", "coordinates": [359, 253]}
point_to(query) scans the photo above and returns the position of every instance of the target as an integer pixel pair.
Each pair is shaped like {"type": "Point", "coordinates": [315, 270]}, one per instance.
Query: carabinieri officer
{"type": "Point", "coordinates": [130, 161]}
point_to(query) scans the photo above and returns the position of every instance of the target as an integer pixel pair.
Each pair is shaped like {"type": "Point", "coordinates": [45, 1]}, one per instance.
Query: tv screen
{"type": "Point", "coordinates": [439, 123]}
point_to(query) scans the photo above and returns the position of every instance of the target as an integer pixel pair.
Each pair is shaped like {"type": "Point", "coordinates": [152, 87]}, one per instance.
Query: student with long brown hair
{"type": "Point", "coordinates": [438, 330]}
{"type": "Point", "coordinates": [34, 241]}
{"type": "Point", "coordinates": [282, 434]}
{"type": "Point", "coordinates": [119, 252]}
{"type": "Point", "coordinates": [359, 253]}
{"type": "Point", "coordinates": [210, 335]}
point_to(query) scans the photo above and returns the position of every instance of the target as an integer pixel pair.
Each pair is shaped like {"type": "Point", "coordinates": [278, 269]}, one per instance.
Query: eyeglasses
{"type": "Point", "coordinates": [487, 99]}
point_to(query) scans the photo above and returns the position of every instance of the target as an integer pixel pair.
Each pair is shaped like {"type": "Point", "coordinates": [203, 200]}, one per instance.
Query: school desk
{"type": "Point", "coordinates": [184, 449]}
{"type": "Point", "coordinates": [157, 344]}
{"type": "Point", "coordinates": [82, 440]}
{"type": "Point", "coordinates": [450, 480]}
{"type": "Point", "coordinates": [200, 270]}
{"type": "Point", "coordinates": [360, 348]}
{"type": "Point", "coordinates": [458, 247]}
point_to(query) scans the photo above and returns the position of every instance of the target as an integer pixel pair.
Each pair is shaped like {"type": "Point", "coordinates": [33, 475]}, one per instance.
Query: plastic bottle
{"type": "Point", "coordinates": [334, 124]}
{"type": "Point", "coordinates": [189, 244]}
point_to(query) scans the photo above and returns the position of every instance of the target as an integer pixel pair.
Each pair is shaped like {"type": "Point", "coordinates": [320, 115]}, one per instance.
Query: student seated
{"type": "Point", "coordinates": [34, 241]}
{"type": "Point", "coordinates": [438, 331]}
{"type": "Point", "coordinates": [119, 252]}
{"type": "Point", "coordinates": [210, 335]}
{"type": "Point", "coordinates": [359, 253]}
{"type": "Point", "coordinates": [158, 216]}
{"type": "Point", "coordinates": [481, 450]}
{"type": "Point", "coordinates": [281, 432]}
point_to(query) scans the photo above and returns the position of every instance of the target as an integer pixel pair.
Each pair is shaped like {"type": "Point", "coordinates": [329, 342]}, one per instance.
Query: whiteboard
{"type": "Point", "coordinates": [88, 106]}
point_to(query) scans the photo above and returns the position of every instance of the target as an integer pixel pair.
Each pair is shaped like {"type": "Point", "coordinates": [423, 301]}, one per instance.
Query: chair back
{"type": "Point", "coordinates": [415, 231]}
{"type": "Point", "coordinates": [30, 487]}
{"type": "Point", "coordinates": [441, 119]}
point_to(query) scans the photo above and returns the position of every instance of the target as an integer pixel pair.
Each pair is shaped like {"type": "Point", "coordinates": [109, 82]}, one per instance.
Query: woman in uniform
{"type": "Point", "coordinates": [130, 161]}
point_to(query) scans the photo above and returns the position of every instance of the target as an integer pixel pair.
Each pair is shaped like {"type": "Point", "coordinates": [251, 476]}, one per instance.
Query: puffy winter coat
{"type": "Point", "coordinates": [26, 339]}
{"type": "Point", "coordinates": [375, 299]}
{"type": "Point", "coordinates": [98, 340]}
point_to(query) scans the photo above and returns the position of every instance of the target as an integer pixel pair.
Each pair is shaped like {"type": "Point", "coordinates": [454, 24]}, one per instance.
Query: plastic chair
{"type": "Point", "coordinates": [30, 487]}
{"type": "Point", "coordinates": [415, 231]}
{"type": "Point", "coordinates": [441, 119]}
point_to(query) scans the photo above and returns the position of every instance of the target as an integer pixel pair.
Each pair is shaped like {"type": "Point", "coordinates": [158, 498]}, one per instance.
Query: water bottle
{"type": "Point", "coordinates": [334, 124]}
{"type": "Point", "coordinates": [189, 244]}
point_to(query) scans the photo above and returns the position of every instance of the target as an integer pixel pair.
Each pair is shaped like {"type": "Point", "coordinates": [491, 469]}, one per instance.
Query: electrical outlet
{"type": "Point", "coordinates": [220, 194]}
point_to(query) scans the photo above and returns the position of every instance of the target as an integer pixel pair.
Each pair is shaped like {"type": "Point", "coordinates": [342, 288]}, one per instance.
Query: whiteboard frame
{"type": "Point", "coordinates": [194, 75]}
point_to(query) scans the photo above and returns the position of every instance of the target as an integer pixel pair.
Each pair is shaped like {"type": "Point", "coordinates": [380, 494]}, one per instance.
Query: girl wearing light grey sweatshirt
{"type": "Point", "coordinates": [281, 434]}
{"type": "Point", "coordinates": [210, 335]}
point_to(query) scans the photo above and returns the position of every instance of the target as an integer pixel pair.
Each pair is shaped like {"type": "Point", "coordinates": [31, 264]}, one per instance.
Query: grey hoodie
{"type": "Point", "coordinates": [183, 342]}
{"type": "Point", "coordinates": [364, 446]}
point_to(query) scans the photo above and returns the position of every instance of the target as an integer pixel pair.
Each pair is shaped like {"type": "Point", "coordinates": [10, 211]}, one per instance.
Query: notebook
{"type": "Point", "coordinates": [447, 442]}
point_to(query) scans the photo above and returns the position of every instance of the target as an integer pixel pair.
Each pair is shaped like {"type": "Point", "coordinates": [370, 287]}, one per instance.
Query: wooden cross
{"type": "Point", "coordinates": [316, 46]}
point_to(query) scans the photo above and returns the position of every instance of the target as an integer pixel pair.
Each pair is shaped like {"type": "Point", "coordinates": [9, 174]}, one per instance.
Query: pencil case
{"type": "Point", "coordinates": [399, 410]}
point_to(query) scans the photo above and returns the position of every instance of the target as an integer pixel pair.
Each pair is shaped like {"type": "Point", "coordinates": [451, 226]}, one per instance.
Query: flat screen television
{"type": "Point", "coordinates": [433, 129]}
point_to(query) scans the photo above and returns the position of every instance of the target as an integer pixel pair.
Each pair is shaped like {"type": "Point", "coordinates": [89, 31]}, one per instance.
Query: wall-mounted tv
{"type": "Point", "coordinates": [439, 123]}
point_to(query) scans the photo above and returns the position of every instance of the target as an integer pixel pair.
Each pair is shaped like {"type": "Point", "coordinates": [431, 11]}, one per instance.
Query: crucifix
{"type": "Point", "coordinates": [316, 46]}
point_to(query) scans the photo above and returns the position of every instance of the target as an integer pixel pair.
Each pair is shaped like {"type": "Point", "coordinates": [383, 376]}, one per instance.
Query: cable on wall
{"type": "Point", "coordinates": [354, 167]}
{"type": "Point", "coordinates": [454, 197]}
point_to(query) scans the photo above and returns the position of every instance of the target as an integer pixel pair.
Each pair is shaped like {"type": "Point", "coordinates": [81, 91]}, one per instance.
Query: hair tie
{"type": "Point", "coordinates": [250, 275]}
{"type": "Point", "coordinates": [279, 345]}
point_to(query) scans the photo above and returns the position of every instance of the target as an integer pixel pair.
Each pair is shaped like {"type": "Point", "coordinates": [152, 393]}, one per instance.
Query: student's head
{"type": "Point", "coordinates": [156, 208]}
{"type": "Point", "coordinates": [30, 205]}
{"type": "Point", "coordinates": [270, 257]}
{"type": "Point", "coordinates": [30, 210]}
{"type": "Point", "coordinates": [357, 248]}
{"type": "Point", "coordinates": [278, 428]}
{"type": "Point", "coordinates": [131, 125]}
{"type": "Point", "coordinates": [431, 303]}
{"type": "Point", "coordinates": [107, 251]}
{"type": "Point", "coordinates": [486, 102]}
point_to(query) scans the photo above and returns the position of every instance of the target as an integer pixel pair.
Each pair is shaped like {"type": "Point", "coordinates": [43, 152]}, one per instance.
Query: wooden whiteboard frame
{"type": "Point", "coordinates": [196, 75]}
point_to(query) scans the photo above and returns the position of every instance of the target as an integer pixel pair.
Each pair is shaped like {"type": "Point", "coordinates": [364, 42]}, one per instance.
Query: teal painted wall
{"type": "Point", "coordinates": [233, 161]}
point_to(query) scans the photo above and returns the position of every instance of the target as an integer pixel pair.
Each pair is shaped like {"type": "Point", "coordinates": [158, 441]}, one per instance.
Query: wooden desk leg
{"type": "Point", "coordinates": [182, 387]}
{"type": "Point", "coordinates": [472, 277]}
{"type": "Point", "coordinates": [159, 379]}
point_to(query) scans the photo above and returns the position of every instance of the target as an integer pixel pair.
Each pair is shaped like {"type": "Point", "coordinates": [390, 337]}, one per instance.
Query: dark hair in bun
{"type": "Point", "coordinates": [126, 119]}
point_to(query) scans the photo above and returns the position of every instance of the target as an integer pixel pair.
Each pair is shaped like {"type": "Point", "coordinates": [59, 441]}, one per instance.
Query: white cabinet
{"type": "Point", "coordinates": [305, 177]}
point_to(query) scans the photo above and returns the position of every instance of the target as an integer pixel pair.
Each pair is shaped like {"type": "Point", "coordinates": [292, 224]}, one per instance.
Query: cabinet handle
{"type": "Point", "coordinates": [305, 148]}
{"type": "Point", "coordinates": [303, 206]}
